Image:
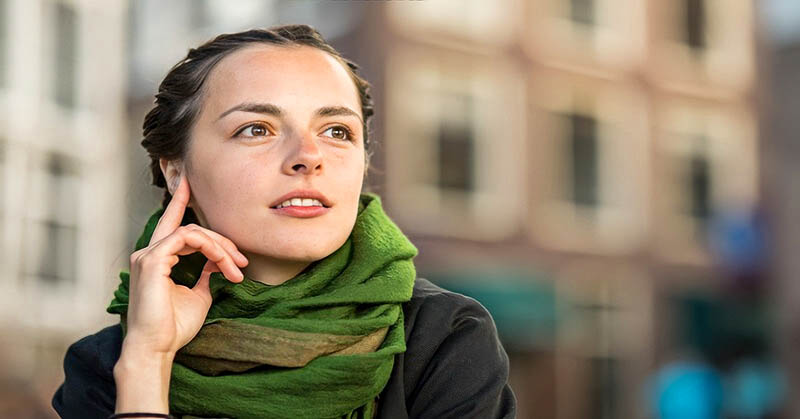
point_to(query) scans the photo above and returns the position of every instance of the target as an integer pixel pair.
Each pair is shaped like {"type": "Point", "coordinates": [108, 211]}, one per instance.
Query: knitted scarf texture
{"type": "Point", "coordinates": [320, 345]}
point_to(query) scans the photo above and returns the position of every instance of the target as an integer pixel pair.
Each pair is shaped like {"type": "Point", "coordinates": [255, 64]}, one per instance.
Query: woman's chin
{"type": "Point", "coordinates": [309, 252]}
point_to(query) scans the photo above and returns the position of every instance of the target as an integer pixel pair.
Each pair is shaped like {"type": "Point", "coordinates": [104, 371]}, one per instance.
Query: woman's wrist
{"type": "Point", "coordinates": [142, 379]}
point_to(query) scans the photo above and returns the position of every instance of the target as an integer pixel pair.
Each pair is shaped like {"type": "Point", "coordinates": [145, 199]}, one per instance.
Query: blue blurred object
{"type": "Point", "coordinates": [754, 389]}
{"type": "Point", "coordinates": [687, 390]}
{"type": "Point", "coordinates": [738, 240]}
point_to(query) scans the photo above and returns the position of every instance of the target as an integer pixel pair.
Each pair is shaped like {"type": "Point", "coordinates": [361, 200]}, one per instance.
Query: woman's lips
{"type": "Point", "coordinates": [301, 212]}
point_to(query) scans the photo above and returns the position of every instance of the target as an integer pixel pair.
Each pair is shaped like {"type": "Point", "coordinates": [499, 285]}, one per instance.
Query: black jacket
{"type": "Point", "coordinates": [454, 365]}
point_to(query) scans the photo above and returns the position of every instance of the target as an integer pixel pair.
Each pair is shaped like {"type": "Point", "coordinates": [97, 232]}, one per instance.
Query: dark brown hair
{"type": "Point", "coordinates": [167, 126]}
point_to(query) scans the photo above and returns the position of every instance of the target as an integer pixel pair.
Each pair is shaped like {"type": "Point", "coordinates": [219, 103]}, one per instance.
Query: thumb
{"type": "Point", "coordinates": [202, 286]}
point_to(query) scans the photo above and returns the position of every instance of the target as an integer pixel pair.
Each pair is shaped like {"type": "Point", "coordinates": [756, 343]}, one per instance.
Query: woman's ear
{"type": "Point", "coordinates": [172, 170]}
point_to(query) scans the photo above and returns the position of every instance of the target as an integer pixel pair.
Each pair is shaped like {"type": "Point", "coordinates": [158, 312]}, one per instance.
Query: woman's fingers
{"type": "Point", "coordinates": [173, 214]}
{"type": "Point", "coordinates": [187, 240]}
{"type": "Point", "coordinates": [230, 246]}
{"type": "Point", "coordinates": [218, 249]}
{"type": "Point", "coordinates": [203, 286]}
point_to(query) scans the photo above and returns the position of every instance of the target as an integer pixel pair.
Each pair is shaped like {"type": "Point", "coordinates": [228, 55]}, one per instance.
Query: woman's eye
{"type": "Point", "coordinates": [339, 132]}
{"type": "Point", "coordinates": [253, 130]}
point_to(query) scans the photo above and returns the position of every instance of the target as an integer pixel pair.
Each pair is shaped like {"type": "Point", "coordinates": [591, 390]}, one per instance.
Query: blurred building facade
{"type": "Point", "coordinates": [62, 95]}
{"type": "Point", "coordinates": [582, 144]}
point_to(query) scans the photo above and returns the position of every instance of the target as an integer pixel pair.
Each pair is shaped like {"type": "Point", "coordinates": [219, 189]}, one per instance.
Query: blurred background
{"type": "Point", "coordinates": [613, 180]}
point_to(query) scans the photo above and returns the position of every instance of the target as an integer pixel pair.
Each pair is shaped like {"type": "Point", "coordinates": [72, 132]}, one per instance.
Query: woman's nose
{"type": "Point", "coordinates": [305, 156]}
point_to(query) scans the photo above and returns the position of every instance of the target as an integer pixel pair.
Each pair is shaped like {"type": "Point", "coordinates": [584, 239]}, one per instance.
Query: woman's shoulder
{"type": "Point", "coordinates": [454, 364]}
{"type": "Point", "coordinates": [431, 303]}
{"type": "Point", "coordinates": [89, 389]}
{"type": "Point", "coordinates": [424, 288]}
{"type": "Point", "coordinates": [437, 313]}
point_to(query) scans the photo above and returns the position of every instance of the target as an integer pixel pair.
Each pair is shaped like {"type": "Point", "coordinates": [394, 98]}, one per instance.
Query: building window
{"type": "Point", "coordinates": [57, 252]}
{"type": "Point", "coordinates": [695, 21]}
{"type": "Point", "coordinates": [64, 35]}
{"type": "Point", "coordinates": [52, 236]}
{"type": "Point", "coordinates": [603, 381]}
{"type": "Point", "coordinates": [456, 144]}
{"type": "Point", "coordinates": [582, 11]}
{"type": "Point", "coordinates": [453, 124]}
{"type": "Point", "coordinates": [598, 315]}
{"type": "Point", "coordinates": [699, 183]}
{"type": "Point", "coordinates": [582, 155]}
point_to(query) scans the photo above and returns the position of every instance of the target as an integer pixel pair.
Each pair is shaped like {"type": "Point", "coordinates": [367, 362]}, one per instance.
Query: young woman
{"type": "Point", "coordinates": [269, 285]}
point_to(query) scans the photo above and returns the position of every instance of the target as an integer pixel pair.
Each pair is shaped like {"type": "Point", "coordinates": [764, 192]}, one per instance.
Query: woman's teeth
{"type": "Point", "coordinates": [298, 202]}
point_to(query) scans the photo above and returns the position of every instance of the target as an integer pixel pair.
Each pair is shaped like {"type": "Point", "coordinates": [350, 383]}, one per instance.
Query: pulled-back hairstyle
{"type": "Point", "coordinates": [168, 125]}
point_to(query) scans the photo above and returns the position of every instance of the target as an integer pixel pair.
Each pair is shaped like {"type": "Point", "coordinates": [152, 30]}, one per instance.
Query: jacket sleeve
{"type": "Point", "coordinates": [88, 390]}
{"type": "Point", "coordinates": [467, 376]}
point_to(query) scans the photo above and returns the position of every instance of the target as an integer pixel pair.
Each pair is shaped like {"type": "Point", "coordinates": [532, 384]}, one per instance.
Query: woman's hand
{"type": "Point", "coordinates": [164, 316]}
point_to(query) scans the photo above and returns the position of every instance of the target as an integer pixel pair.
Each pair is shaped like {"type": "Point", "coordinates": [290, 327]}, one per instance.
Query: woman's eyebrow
{"type": "Point", "coordinates": [337, 111]}
{"type": "Point", "coordinates": [265, 108]}
{"type": "Point", "coordinates": [270, 109]}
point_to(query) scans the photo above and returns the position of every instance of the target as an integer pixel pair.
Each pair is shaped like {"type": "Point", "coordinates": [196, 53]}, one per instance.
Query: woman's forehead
{"type": "Point", "coordinates": [293, 76]}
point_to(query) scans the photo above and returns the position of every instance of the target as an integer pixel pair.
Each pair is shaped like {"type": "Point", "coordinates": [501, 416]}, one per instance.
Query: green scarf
{"type": "Point", "coordinates": [320, 345]}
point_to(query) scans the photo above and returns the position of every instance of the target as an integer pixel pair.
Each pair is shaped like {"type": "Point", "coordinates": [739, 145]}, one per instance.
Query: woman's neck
{"type": "Point", "coordinates": [271, 271]}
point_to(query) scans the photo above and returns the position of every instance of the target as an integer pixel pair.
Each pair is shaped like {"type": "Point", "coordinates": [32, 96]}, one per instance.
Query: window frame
{"type": "Point", "coordinates": [414, 76]}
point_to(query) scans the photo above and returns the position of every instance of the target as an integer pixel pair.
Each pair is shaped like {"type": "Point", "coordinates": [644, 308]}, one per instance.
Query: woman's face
{"type": "Point", "coordinates": [275, 120]}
